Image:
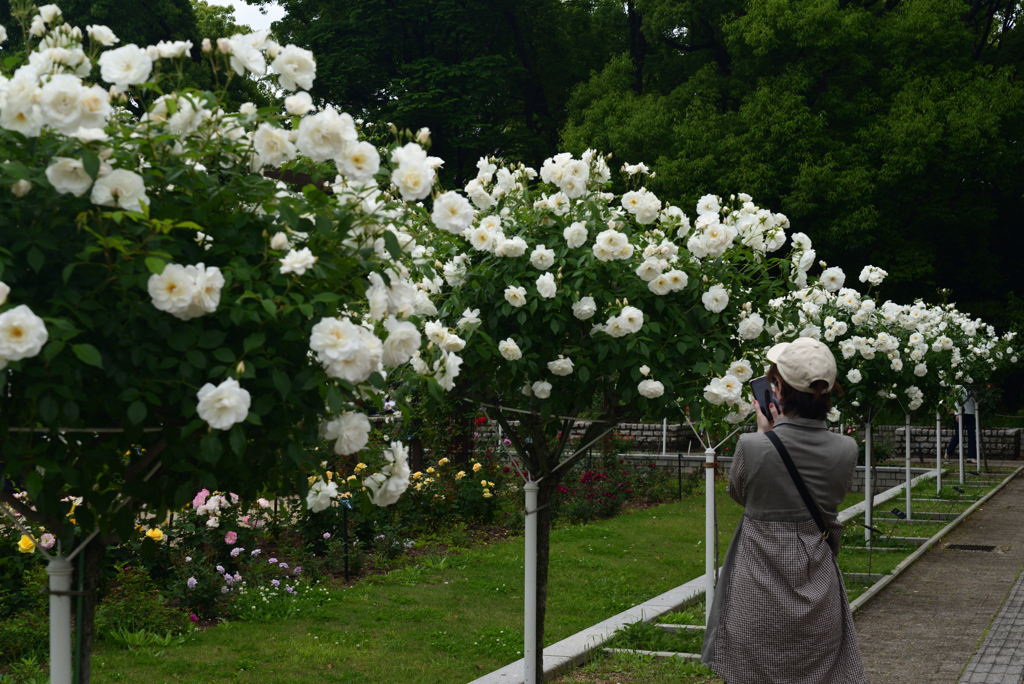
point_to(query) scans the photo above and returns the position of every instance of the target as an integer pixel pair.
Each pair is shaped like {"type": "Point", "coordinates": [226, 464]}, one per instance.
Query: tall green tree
{"type": "Point", "coordinates": [487, 77]}
{"type": "Point", "coordinates": [888, 131]}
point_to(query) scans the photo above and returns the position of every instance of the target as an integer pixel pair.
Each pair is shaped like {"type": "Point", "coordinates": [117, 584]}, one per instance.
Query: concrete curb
{"type": "Point", "coordinates": [577, 649]}
{"type": "Point", "coordinates": [875, 588]}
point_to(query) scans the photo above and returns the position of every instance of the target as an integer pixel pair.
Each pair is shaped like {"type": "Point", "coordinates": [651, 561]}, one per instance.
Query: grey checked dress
{"type": "Point", "coordinates": [780, 614]}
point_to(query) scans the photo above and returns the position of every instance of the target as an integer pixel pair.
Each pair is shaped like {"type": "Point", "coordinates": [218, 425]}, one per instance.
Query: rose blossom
{"type": "Point", "coordinates": [224, 405]}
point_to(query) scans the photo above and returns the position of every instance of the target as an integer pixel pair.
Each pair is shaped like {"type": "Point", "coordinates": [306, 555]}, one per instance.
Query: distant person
{"type": "Point", "coordinates": [969, 408]}
{"type": "Point", "coordinates": [780, 613]}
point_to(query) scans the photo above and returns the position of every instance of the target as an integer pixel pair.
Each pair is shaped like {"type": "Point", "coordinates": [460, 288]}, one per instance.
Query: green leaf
{"type": "Point", "coordinates": [155, 265]}
{"type": "Point", "coordinates": [91, 162]}
{"type": "Point", "coordinates": [196, 358]}
{"type": "Point", "coordinates": [254, 341]}
{"type": "Point", "coordinates": [281, 382]}
{"type": "Point", "coordinates": [210, 448]}
{"type": "Point", "coordinates": [52, 349]}
{"type": "Point", "coordinates": [584, 373]}
{"type": "Point", "coordinates": [89, 354]}
{"type": "Point", "coordinates": [237, 439]}
{"type": "Point", "coordinates": [269, 306]}
{"type": "Point", "coordinates": [335, 402]}
{"type": "Point", "coordinates": [224, 355]}
{"type": "Point", "coordinates": [33, 484]}
{"type": "Point", "coordinates": [35, 259]}
{"type": "Point", "coordinates": [136, 412]}
{"type": "Point", "coordinates": [391, 244]}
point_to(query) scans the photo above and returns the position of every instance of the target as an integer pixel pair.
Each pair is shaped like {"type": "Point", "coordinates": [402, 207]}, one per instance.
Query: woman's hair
{"type": "Point", "coordinates": [814, 405]}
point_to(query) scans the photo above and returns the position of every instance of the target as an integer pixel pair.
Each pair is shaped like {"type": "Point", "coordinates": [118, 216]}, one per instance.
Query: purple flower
{"type": "Point", "coordinates": [220, 569]}
{"type": "Point", "coordinates": [188, 559]}
{"type": "Point", "coordinates": [193, 617]}
{"type": "Point", "coordinates": [276, 583]}
{"type": "Point", "coordinates": [238, 577]}
{"type": "Point", "coordinates": [235, 553]}
{"type": "Point", "coordinates": [297, 570]}
{"type": "Point", "coordinates": [229, 580]}
{"type": "Point", "coordinates": [192, 583]}
{"type": "Point", "coordinates": [272, 561]}
{"type": "Point", "coordinates": [224, 589]}
{"type": "Point", "coordinates": [507, 442]}
{"type": "Point", "coordinates": [327, 535]}
{"type": "Point", "coordinates": [283, 565]}
{"type": "Point", "coordinates": [289, 590]}
{"type": "Point", "coordinates": [255, 552]}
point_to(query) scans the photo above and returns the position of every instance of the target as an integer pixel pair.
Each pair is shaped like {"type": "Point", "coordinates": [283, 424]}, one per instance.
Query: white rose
{"type": "Point", "coordinates": [359, 161]}
{"type": "Point", "coordinates": [298, 262]}
{"type": "Point", "coordinates": [402, 342]}
{"type": "Point", "coordinates": [516, 296]}
{"type": "Point", "coordinates": [323, 135]}
{"type": "Point", "coordinates": [95, 110]}
{"type": "Point", "coordinates": [22, 333]}
{"type": "Point", "coordinates": [660, 286]}
{"type": "Point", "coordinates": [741, 370]}
{"type": "Point", "coordinates": [631, 318]}
{"type": "Point", "coordinates": [333, 339]}
{"type": "Point", "coordinates": [510, 350]}
{"type": "Point", "coordinates": [546, 286]}
{"type": "Point", "coordinates": [101, 35]}
{"type": "Point", "coordinates": [832, 279]}
{"type": "Point", "coordinates": [576, 234]}
{"type": "Point", "coordinates": [921, 370]}
{"type": "Point", "coordinates": [21, 188]}
{"type": "Point", "coordinates": [125, 66]}
{"type": "Point", "coordinates": [541, 389]}
{"type": "Point", "coordinates": [295, 68]}
{"type": "Point", "coordinates": [413, 181]}
{"type": "Point", "coordinates": [224, 405]}
{"type": "Point", "coordinates": [5, 290]}
{"type": "Point", "coordinates": [854, 376]}
{"type": "Point", "coordinates": [68, 176]}
{"type": "Point", "coordinates": [120, 188]}
{"type": "Point", "coordinates": [49, 13]}
{"type": "Point", "coordinates": [677, 279]}
{"type": "Point", "coordinates": [351, 430]}
{"type": "Point", "coordinates": [173, 290]}
{"type": "Point", "coordinates": [652, 389]}
{"type": "Point", "coordinates": [585, 308]}
{"type": "Point", "coordinates": [514, 247]}
{"type": "Point", "coordinates": [357, 365]}
{"type": "Point", "coordinates": [714, 392]}
{"type": "Point", "coordinates": [206, 297]}
{"type": "Point", "coordinates": [299, 104]}
{"type": "Point", "coordinates": [542, 258]}
{"type": "Point", "coordinates": [246, 57]}
{"type": "Point", "coordinates": [319, 496]}
{"type": "Point", "coordinates": [273, 146]}
{"type": "Point", "coordinates": [560, 366]}
{"type": "Point", "coordinates": [751, 327]}
{"type": "Point", "coordinates": [60, 100]}
{"type": "Point", "coordinates": [452, 212]}
{"type": "Point", "coordinates": [280, 242]}
{"type": "Point", "coordinates": [715, 299]}
{"type": "Point", "coordinates": [708, 204]}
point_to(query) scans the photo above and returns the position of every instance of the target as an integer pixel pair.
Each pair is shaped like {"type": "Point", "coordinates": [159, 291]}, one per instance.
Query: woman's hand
{"type": "Point", "coordinates": [763, 424]}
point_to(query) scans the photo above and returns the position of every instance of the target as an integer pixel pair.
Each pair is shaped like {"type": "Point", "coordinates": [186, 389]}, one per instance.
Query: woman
{"type": "Point", "coordinates": [780, 612]}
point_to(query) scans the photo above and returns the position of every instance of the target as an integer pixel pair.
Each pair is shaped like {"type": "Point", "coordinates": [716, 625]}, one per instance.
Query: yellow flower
{"type": "Point", "coordinates": [360, 467]}
{"type": "Point", "coordinates": [417, 475]}
{"type": "Point", "coordinates": [483, 483]}
{"type": "Point", "coordinates": [345, 495]}
{"type": "Point", "coordinates": [26, 545]}
{"type": "Point", "coordinates": [350, 478]}
{"type": "Point", "coordinates": [443, 461]}
{"type": "Point", "coordinates": [156, 534]}
{"type": "Point", "coordinates": [312, 480]}
{"type": "Point", "coordinates": [461, 474]}
{"type": "Point", "coordinates": [329, 475]}
{"type": "Point", "coordinates": [490, 484]}
{"type": "Point", "coordinates": [431, 471]}
{"type": "Point", "coordinates": [487, 494]}
{"type": "Point", "coordinates": [477, 467]}
{"type": "Point", "coordinates": [418, 486]}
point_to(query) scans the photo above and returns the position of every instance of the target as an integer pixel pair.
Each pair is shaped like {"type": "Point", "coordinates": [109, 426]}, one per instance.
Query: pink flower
{"type": "Point", "coordinates": [47, 541]}
{"type": "Point", "coordinates": [193, 617]}
{"type": "Point", "coordinates": [230, 538]}
{"type": "Point", "coordinates": [200, 498]}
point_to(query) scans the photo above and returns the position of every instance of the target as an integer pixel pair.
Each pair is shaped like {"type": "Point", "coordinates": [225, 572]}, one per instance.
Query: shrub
{"type": "Point", "coordinates": [133, 603]}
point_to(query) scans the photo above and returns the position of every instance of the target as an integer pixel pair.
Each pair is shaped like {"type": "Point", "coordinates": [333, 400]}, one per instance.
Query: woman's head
{"type": "Point", "coordinates": [804, 371]}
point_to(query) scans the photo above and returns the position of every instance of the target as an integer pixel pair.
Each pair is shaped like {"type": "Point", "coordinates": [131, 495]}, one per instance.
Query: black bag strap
{"type": "Point", "coordinates": [799, 482]}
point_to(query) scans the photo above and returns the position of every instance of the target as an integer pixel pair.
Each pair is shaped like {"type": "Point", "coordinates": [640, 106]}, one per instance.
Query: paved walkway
{"type": "Point", "coordinates": [954, 613]}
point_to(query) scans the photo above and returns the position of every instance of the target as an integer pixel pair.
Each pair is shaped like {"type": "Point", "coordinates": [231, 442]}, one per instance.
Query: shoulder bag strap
{"type": "Point", "coordinates": [799, 482]}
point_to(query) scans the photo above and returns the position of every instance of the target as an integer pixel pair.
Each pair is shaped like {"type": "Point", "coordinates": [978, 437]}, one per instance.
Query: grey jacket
{"type": "Point", "coordinates": [780, 612]}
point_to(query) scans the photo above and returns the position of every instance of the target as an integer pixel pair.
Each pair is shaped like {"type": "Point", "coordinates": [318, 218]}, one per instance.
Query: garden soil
{"type": "Point", "coordinates": [926, 626]}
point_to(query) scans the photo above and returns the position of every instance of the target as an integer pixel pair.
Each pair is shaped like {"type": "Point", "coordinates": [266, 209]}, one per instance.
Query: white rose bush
{"type": "Point", "coordinates": [158, 290]}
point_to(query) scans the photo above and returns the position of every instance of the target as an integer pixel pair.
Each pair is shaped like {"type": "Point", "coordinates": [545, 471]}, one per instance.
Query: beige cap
{"type": "Point", "coordinates": [804, 361]}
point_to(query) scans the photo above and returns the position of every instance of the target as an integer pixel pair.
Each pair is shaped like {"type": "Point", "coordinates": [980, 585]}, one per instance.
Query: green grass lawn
{"type": "Point", "coordinates": [423, 624]}
{"type": "Point", "coordinates": [455, 619]}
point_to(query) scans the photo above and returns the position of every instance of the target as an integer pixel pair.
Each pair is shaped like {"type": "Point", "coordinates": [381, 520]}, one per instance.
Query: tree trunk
{"type": "Point", "coordinates": [637, 47]}
{"type": "Point", "coordinates": [546, 495]}
{"type": "Point", "coordinates": [93, 558]}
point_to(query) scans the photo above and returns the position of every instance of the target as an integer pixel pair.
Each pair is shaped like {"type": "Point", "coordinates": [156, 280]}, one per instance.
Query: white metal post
{"type": "Point", "coordinates": [869, 501]}
{"type": "Point", "coordinates": [664, 435]}
{"type": "Point", "coordinates": [907, 440]}
{"type": "Point", "coordinates": [530, 591]}
{"type": "Point", "coordinates": [960, 441]}
{"type": "Point", "coordinates": [977, 434]}
{"type": "Point", "coordinates": [938, 452]}
{"type": "Point", "coordinates": [59, 570]}
{"type": "Point", "coordinates": [709, 531]}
